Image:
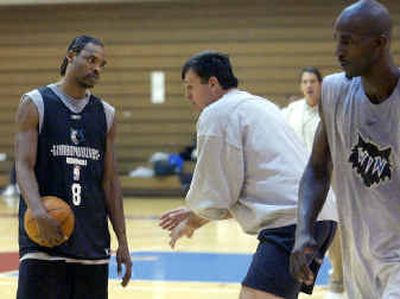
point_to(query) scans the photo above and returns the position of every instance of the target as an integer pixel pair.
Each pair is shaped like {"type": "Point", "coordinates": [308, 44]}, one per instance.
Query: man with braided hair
{"type": "Point", "coordinates": [65, 148]}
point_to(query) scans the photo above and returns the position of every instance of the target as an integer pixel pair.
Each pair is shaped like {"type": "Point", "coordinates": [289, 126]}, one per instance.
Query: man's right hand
{"type": "Point", "coordinates": [49, 228]}
{"type": "Point", "coordinates": [181, 230]}
{"type": "Point", "coordinates": [180, 222]}
{"type": "Point", "coordinates": [172, 218]}
{"type": "Point", "coordinates": [302, 254]}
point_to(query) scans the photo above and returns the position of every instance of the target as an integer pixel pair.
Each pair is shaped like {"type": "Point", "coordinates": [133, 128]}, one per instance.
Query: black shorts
{"type": "Point", "coordinates": [269, 269]}
{"type": "Point", "coordinates": [39, 279]}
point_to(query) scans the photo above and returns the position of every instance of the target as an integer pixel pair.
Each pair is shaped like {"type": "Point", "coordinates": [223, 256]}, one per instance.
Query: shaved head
{"type": "Point", "coordinates": [363, 37]}
{"type": "Point", "coordinates": [367, 18]}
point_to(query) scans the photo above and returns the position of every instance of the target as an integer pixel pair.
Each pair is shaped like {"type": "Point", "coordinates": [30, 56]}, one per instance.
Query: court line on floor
{"type": "Point", "coordinates": [127, 217]}
{"type": "Point", "coordinates": [199, 289]}
{"type": "Point", "coordinates": [225, 287]}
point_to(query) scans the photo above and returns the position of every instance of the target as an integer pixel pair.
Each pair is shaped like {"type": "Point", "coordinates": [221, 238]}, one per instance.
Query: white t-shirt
{"type": "Point", "coordinates": [249, 163]}
{"type": "Point", "coordinates": [304, 119]}
{"type": "Point", "coordinates": [365, 149]}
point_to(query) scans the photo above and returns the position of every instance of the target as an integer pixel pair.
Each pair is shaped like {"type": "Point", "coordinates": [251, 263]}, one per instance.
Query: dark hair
{"type": "Point", "coordinates": [313, 70]}
{"type": "Point", "coordinates": [77, 44]}
{"type": "Point", "coordinates": [208, 64]}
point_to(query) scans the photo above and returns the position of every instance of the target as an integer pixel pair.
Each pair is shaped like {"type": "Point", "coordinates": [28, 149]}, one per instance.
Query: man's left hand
{"type": "Point", "coordinates": [124, 258]}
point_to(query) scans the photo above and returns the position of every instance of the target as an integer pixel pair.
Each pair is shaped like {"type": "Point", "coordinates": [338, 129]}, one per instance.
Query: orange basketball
{"type": "Point", "coordinates": [59, 210]}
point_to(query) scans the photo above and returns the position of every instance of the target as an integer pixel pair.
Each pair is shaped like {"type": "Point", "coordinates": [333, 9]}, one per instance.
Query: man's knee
{"type": "Point", "coordinates": [249, 293]}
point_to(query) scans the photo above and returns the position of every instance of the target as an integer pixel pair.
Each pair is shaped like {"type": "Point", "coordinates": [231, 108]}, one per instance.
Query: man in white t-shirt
{"type": "Point", "coordinates": [357, 147]}
{"type": "Point", "coordinates": [248, 168]}
{"type": "Point", "coordinates": [303, 117]}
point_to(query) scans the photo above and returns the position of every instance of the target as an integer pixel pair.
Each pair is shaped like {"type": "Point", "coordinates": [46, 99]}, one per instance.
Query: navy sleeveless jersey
{"type": "Point", "coordinates": [69, 165]}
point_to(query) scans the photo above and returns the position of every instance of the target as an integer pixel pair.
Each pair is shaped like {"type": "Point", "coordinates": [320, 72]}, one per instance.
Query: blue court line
{"type": "Point", "coordinates": [192, 267]}
{"type": "Point", "coordinates": [195, 267]}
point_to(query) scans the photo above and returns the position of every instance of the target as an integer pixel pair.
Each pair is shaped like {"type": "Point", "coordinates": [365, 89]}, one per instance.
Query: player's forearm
{"type": "Point", "coordinates": [313, 190]}
{"type": "Point", "coordinates": [25, 161]}
{"type": "Point", "coordinates": [115, 208]}
{"type": "Point", "coordinates": [29, 188]}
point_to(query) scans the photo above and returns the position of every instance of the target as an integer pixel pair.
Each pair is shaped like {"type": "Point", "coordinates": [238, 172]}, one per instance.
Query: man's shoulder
{"type": "Point", "coordinates": [216, 116]}
{"type": "Point", "coordinates": [296, 104]}
{"type": "Point", "coordinates": [33, 95]}
{"type": "Point", "coordinates": [293, 109]}
{"type": "Point", "coordinates": [31, 92]}
{"type": "Point", "coordinates": [109, 111]}
{"type": "Point", "coordinates": [105, 103]}
{"type": "Point", "coordinates": [251, 102]}
{"type": "Point", "coordinates": [222, 106]}
{"type": "Point", "coordinates": [336, 81]}
{"type": "Point", "coordinates": [214, 113]}
{"type": "Point", "coordinates": [41, 88]}
{"type": "Point", "coordinates": [101, 102]}
{"type": "Point", "coordinates": [39, 92]}
{"type": "Point", "coordinates": [335, 91]}
{"type": "Point", "coordinates": [233, 103]}
{"type": "Point", "coordinates": [243, 95]}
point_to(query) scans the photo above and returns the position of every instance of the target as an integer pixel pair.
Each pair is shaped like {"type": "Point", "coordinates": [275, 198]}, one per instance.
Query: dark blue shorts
{"type": "Point", "coordinates": [40, 279]}
{"type": "Point", "coordinates": [269, 270]}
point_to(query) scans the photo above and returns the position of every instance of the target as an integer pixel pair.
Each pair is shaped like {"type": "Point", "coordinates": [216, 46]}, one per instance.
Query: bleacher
{"type": "Point", "coordinates": [269, 42]}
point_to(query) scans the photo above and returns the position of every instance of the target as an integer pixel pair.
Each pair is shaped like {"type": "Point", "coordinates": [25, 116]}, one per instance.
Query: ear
{"type": "Point", "coordinates": [213, 82]}
{"type": "Point", "coordinates": [70, 56]}
{"type": "Point", "coordinates": [382, 42]}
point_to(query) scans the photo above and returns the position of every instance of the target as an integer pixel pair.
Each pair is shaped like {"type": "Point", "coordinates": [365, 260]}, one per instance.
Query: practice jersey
{"type": "Point", "coordinates": [365, 149]}
{"type": "Point", "coordinates": [69, 165]}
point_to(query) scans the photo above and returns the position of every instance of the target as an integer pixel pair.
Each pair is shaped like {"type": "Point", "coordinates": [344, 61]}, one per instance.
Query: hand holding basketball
{"type": "Point", "coordinates": [53, 228]}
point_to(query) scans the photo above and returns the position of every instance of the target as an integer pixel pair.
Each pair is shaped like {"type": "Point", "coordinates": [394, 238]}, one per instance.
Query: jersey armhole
{"type": "Point", "coordinates": [37, 100]}
{"type": "Point", "coordinates": [109, 112]}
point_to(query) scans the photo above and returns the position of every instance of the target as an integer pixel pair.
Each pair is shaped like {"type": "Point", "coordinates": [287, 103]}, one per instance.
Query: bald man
{"type": "Point", "coordinates": [357, 146]}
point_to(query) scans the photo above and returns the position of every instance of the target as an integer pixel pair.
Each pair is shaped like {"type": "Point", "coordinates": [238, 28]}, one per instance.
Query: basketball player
{"type": "Point", "coordinates": [65, 147]}
{"type": "Point", "coordinates": [359, 137]}
{"type": "Point", "coordinates": [302, 116]}
{"type": "Point", "coordinates": [248, 167]}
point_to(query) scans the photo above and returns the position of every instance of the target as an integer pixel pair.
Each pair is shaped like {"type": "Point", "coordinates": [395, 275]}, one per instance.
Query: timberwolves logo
{"type": "Point", "coordinates": [372, 164]}
{"type": "Point", "coordinates": [77, 136]}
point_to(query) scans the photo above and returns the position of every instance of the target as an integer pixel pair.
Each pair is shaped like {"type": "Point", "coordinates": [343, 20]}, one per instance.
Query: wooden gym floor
{"type": "Point", "coordinates": [210, 265]}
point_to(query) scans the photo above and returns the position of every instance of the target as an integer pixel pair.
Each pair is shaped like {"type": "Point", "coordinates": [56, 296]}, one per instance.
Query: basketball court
{"type": "Point", "coordinates": [211, 265]}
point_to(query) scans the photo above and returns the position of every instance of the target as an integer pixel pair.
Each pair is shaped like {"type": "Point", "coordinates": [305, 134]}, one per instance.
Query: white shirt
{"type": "Point", "coordinates": [304, 119]}
{"type": "Point", "coordinates": [249, 163]}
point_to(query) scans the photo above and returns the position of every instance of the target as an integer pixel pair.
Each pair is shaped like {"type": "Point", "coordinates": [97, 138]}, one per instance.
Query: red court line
{"type": "Point", "coordinates": [9, 261]}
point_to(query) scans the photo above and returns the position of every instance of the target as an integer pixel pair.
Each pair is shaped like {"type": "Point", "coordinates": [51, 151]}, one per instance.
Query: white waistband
{"type": "Point", "coordinates": [46, 257]}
